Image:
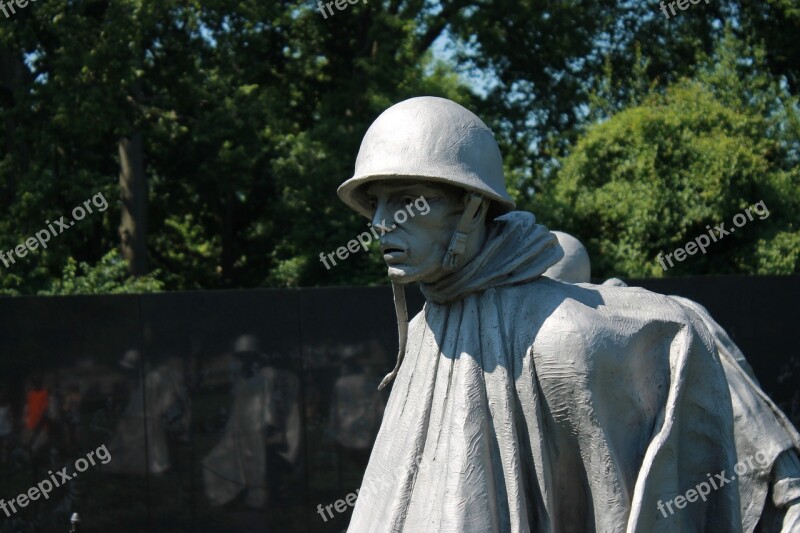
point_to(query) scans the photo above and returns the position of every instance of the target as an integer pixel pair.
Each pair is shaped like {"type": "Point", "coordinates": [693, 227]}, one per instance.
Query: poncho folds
{"type": "Point", "coordinates": [525, 404]}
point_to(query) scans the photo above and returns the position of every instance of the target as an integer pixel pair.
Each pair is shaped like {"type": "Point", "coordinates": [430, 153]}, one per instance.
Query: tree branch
{"type": "Point", "coordinates": [441, 22]}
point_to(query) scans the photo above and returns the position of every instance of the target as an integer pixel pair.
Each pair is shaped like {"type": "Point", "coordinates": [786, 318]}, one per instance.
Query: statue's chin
{"type": "Point", "coordinates": [400, 275]}
{"type": "Point", "coordinates": [411, 275]}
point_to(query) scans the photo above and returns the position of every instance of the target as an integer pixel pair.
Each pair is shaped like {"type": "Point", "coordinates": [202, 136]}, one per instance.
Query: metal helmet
{"type": "Point", "coordinates": [131, 359]}
{"type": "Point", "coordinates": [575, 266]}
{"type": "Point", "coordinates": [430, 139]}
{"type": "Point", "coordinates": [245, 344]}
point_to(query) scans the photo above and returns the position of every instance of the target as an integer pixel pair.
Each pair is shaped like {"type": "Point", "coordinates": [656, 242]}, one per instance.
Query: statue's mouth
{"type": "Point", "coordinates": [392, 253]}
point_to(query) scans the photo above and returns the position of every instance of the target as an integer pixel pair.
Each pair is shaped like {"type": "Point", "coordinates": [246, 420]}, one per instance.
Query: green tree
{"type": "Point", "coordinates": [656, 175]}
{"type": "Point", "coordinates": [109, 276]}
{"type": "Point", "coordinates": [229, 124]}
{"type": "Point", "coordinates": [224, 126]}
{"type": "Point", "coordinates": [543, 61]}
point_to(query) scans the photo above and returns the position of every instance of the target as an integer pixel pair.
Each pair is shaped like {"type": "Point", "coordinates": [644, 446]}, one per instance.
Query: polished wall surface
{"type": "Point", "coordinates": [245, 411]}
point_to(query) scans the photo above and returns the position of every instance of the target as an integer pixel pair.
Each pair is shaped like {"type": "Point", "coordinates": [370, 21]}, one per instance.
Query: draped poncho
{"type": "Point", "coordinates": [526, 404]}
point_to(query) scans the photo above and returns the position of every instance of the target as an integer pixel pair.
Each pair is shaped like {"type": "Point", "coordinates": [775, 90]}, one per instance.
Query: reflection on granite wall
{"type": "Point", "coordinates": [241, 411]}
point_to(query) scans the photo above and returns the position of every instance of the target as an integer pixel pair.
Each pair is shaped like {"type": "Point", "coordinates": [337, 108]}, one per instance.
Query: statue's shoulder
{"type": "Point", "coordinates": [588, 310]}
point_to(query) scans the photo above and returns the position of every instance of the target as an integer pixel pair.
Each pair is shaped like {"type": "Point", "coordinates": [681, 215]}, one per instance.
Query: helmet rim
{"type": "Point", "coordinates": [433, 139]}
{"type": "Point", "coordinates": [352, 193]}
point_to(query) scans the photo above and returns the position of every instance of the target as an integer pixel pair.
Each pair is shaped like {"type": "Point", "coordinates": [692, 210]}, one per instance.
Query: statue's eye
{"type": "Point", "coordinates": [408, 200]}
{"type": "Point", "coordinates": [372, 201]}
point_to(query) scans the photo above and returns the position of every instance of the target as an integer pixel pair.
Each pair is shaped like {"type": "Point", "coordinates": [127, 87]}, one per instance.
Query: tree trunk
{"type": "Point", "coordinates": [228, 236]}
{"type": "Point", "coordinates": [14, 78]}
{"type": "Point", "coordinates": [133, 188]}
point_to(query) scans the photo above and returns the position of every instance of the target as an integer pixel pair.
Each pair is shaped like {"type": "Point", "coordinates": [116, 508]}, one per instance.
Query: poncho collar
{"type": "Point", "coordinates": [517, 250]}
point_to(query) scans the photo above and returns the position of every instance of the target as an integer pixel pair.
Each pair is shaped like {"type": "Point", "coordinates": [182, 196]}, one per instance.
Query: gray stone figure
{"type": "Point", "coordinates": [520, 403]}
{"type": "Point", "coordinates": [769, 491]}
{"type": "Point", "coordinates": [264, 399]}
{"type": "Point", "coordinates": [139, 445]}
{"type": "Point", "coordinates": [575, 267]}
{"type": "Point", "coordinates": [356, 405]}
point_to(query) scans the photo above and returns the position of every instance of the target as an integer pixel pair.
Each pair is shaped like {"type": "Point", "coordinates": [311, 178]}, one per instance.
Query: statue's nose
{"type": "Point", "coordinates": [380, 216]}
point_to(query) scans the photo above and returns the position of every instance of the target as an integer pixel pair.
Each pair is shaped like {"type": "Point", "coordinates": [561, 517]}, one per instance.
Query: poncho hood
{"type": "Point", "coordinates": [517, 250]}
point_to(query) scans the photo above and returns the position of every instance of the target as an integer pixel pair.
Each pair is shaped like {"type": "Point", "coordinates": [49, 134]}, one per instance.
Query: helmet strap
{"type": "Point", "coordinates": [458, 244]}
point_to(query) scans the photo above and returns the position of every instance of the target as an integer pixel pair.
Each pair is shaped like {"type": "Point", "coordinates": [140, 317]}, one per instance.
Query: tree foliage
{"type": "Point", "coordinates": [250, 114]}
{"type": "Point", "coordinates": [657, 175]}
{"type": "Point", "coordinates": [109, 276]}
{"type": "Point", "coordinates": [545, 60]}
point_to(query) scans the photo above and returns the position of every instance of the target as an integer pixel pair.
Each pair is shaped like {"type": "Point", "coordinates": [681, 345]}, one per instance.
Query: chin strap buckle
{"type": "Point", "coordinates": [458, 244]}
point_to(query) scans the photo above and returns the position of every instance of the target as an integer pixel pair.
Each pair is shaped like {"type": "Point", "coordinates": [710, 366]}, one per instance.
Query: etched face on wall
{"type": "Point", "coordinates": [414, 248]}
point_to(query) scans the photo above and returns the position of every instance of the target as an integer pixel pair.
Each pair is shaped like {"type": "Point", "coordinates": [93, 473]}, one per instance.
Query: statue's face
{"type": "Point", "coordinates": [414, 250]}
